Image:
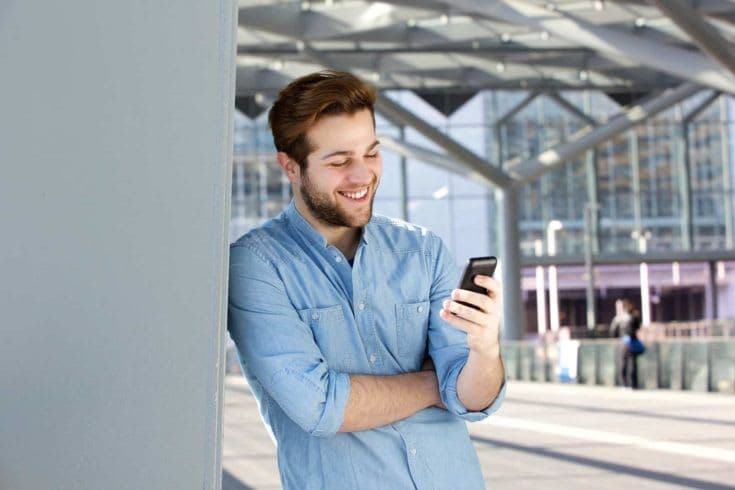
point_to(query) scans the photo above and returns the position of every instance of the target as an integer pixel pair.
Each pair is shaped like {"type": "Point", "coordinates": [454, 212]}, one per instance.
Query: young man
{"type": "Point", "coordinates": [333, 311]}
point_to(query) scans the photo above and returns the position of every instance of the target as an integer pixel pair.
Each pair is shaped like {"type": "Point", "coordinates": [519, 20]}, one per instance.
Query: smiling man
{"type": "Point", "coordinates": [337, 315]}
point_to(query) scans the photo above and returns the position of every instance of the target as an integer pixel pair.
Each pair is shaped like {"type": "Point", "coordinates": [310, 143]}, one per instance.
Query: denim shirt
{"type": "Point", "coordinates": [303, 320]}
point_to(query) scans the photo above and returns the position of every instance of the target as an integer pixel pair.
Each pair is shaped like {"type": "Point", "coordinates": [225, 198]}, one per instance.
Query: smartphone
{"type": "Point", "coordinates": [484, 266]}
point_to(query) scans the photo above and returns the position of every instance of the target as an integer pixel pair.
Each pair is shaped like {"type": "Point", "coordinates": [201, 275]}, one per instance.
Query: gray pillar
{"type": "Point", "coordinates": [510, 254]}
{"type": "Point", "coordinates": [405, 215]}
{"type": "Point", "coordinates": [711, 291]}
{"type": "Point", "coordinates": [725, 136]}
{"type": "Point", "coordinates": [685, 185]}
{"type": "Point", "coordinates": [116, 126]}
{"type": "Point", "coordinates": [592, 184]}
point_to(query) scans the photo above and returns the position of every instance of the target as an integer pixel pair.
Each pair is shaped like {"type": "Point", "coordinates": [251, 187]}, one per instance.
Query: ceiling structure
{"type": "Point", "coordinates": [621, 47]}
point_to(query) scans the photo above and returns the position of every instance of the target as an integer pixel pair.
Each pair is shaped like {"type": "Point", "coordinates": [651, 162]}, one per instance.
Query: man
{"type": "Point", "coordinates": [333, 311]}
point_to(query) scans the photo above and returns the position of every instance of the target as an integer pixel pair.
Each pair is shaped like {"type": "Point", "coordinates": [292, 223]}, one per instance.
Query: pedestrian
{"type": "Point", "coordinates": [632, 348]}
{"type": "Point", "coordinates": [332, 308]}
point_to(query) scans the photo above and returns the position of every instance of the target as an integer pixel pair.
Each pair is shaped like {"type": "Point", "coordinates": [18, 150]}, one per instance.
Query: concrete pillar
{"type": "Point", "coordinates": [116, 127]}
{"type": "Point", "coordinates": [510, 253]}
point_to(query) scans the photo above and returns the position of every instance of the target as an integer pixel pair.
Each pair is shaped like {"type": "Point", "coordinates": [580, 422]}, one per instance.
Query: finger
{"type": "Point", "coordinates": [493, 287]}
{"type": "Point", "coordinates": [460, 323]}
{"type": "Point", "coordinates": [482, 301]}
{"type": "Point", "coordinates": [468, 313]}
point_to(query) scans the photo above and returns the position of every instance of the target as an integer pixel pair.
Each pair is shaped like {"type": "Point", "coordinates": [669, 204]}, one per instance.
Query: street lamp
{"type": "Point", "coordinates": [540, 291]}
{"type": "Point", "coordinates": [551, 229]}
{"type": "Point", "coordinates": [642, 237]}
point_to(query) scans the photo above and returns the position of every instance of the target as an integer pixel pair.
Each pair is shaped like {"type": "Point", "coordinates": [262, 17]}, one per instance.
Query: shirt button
{"type": "Point", "coordinates": [361, 306]}
{"type": "Point", "coordinates": [413, 451]}
{"type": "Point", "coordinates": [373, 358]}
{"type": "Point", "coordinates": [338, 259]}
{"type": "Point", "coordinates": [315, 316]}
{"type": "Point", "coordinates": [420, 309]}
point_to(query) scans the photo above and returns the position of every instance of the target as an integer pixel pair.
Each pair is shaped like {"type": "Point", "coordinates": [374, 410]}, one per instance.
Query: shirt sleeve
{"type": "Point", "coordinates": [448, 345]}
{"type": "Point", "coordinates": [278, 348]}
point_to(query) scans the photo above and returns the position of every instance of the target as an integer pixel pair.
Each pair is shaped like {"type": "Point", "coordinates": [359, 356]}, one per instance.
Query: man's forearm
{"type": "Point", "coordinates": [480, 381]}
{"type": "Point", "coordinates": [375, 401]}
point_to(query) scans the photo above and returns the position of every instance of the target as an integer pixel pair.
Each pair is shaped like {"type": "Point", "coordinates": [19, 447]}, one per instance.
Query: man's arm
{"type": "Point", "coordinates": [375, 401]}
{"type": "Point", "coordinates": [482, 377]}
{"type": "Point", "coordinates": [280, 351]}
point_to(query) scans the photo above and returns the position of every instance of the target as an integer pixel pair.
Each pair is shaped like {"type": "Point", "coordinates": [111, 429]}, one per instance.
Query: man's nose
{"type": "Point", "coordinates": [360, 171]}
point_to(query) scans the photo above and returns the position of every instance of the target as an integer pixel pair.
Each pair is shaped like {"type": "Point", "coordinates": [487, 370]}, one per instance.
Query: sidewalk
{"type": "Point", "coordinates": [553, 436]}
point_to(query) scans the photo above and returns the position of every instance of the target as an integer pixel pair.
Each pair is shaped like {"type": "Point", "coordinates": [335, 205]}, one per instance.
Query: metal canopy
{"type": "Point", "coordinates": [467, 45]}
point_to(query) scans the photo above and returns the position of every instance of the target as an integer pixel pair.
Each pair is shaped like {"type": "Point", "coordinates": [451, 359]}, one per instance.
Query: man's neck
{"type": "Point", "coordinates": [345, 238]}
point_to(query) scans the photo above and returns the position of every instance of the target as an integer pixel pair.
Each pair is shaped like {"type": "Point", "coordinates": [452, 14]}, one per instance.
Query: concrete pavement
{"type": "Point", "coordinates": [550, 436]}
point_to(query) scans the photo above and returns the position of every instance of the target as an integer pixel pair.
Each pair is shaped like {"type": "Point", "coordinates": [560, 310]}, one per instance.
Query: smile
{"type": "Point", "coordinates": [357, 195]}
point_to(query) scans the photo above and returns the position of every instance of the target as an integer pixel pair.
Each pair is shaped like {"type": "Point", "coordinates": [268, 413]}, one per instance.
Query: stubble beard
{"type": "Point", "coordinates": [326, 211]}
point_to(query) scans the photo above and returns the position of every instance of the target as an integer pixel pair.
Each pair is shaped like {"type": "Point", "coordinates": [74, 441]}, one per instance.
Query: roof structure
{"type": "Point", "coordinates": [460, 46]}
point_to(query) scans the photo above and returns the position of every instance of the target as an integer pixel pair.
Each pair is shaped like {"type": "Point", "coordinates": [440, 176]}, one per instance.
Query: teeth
{"type": "Point", "coordinates": [356, 195]}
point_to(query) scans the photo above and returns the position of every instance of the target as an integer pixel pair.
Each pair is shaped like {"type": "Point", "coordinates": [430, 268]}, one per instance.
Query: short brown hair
{"type": "Point", "coordinates": [303, 101]}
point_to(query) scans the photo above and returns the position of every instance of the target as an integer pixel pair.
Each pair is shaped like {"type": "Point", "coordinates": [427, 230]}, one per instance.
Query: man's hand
{"type": "Point", "coordinates": [482, 376]}
{"type": "Point", "coordinates": [482, 325]}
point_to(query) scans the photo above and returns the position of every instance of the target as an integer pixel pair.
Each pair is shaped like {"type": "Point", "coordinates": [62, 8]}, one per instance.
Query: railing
{"type": "Point", "coordinates": [656, 330]}
{"type": "Point", "coordinates": [694, 363]}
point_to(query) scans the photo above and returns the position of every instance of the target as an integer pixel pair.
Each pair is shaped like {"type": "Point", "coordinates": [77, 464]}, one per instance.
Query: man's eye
{"type": "Point", "coordinates": [338, 164]}
{"type": "Point", "coordinates": [372, 155]}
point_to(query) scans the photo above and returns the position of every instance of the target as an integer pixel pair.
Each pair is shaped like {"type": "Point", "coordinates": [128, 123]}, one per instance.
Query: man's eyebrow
{"type": "Point", "coordinates": [346, 153]}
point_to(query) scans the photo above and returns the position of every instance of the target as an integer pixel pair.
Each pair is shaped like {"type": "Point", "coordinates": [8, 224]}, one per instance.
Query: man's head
{"type": "Point", "coordinates": [627, 305]}
{"type": "Point", "coordinates": [323, 127]}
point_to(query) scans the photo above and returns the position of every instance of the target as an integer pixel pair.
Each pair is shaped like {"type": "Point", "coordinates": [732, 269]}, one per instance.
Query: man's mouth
{"type": "Point", "coordinates": [356, 196]}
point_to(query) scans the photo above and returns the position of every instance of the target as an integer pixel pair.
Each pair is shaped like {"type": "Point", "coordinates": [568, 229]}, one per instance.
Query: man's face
{"type": "Point", "coordinates": [343, 171]}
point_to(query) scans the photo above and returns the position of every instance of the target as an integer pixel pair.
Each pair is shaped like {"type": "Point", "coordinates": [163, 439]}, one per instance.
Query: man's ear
{"type": "Point", "coordinates": [290, 167]}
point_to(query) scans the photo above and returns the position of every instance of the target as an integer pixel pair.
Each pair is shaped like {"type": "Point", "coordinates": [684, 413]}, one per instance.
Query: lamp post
{"type": "Point", "coordinates": [590, 209]}
{"type": "Point", "coordinates": [540, 291]}
{"type": "Point", "coordinates": [642, 237]}
{"type": "Point", "coordinates": [551, 229]}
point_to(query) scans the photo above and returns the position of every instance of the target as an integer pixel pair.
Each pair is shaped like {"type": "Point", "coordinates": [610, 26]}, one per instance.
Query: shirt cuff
{"type": "Point", "coordinates": [454, 404]}
{"type": "Point", "coordinates": [335, 405]}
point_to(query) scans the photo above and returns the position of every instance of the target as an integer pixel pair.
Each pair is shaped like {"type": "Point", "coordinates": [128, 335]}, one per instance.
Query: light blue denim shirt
{"type": "Point", "coordinates": [303, 319]}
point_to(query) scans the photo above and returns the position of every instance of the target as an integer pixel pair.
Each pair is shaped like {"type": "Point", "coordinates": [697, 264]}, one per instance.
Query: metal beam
{"type": "Point", "coordinates": [704, 35]}
{"type": "Point", "coordinates": [439, 160]}
{"type": "Point", "coordinates": [571, 108]}
{"type": "Point", "coordinates": [701, 107]}
{"type": "Point", "coordinates": [464, 157]}
{"type": "Point", "coordinates": [396, 114]}
{"type": "Point", "coordinates": [516, 109]}
{"type": "Point", "coordinates": [589, 137]}
{"type": "Point", "coordinates": [612, 43]}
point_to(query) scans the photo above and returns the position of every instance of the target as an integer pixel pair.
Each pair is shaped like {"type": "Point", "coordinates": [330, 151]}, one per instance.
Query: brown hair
{"type": "Point", "coordinates": [303, 101]}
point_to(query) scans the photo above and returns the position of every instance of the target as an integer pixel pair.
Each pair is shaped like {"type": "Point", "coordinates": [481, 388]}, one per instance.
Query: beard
{"type": "Point", "coordinates": [332, 213]}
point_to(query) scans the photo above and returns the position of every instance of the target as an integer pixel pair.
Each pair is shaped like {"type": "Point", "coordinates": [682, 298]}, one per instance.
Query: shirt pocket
{"type": "Point", "coordinates": [412, 323]}
{"type": "Point", "coordinates": [329, 327]}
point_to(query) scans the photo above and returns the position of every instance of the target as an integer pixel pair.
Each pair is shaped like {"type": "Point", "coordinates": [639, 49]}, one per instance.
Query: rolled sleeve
{"type": "Point", "coordinates": [447, 344]}
{"type": "Point", "coordinates": [278, 349]}
{"type": "Point", "coordinates": [454, 404]}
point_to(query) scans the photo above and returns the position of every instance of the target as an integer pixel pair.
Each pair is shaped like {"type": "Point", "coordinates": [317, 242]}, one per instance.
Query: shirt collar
{"type": "Point", "coordinates": [302, 226]}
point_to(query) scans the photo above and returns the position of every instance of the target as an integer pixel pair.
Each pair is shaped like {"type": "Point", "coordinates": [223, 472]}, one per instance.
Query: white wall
{"type": "Point", "coordinates": [115, 155]}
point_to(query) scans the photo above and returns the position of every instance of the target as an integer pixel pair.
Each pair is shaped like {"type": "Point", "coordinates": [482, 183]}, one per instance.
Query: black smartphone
{"type": "Point", "coordinates": [483, 266]}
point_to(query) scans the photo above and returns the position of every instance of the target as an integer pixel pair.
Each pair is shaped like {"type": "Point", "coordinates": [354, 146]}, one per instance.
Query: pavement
{"type": "Point", "coordinates": [551, 436]}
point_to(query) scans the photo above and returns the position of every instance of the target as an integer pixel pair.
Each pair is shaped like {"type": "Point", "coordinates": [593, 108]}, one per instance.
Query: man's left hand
{"type": "Point", "coordinates": [482, 325]}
